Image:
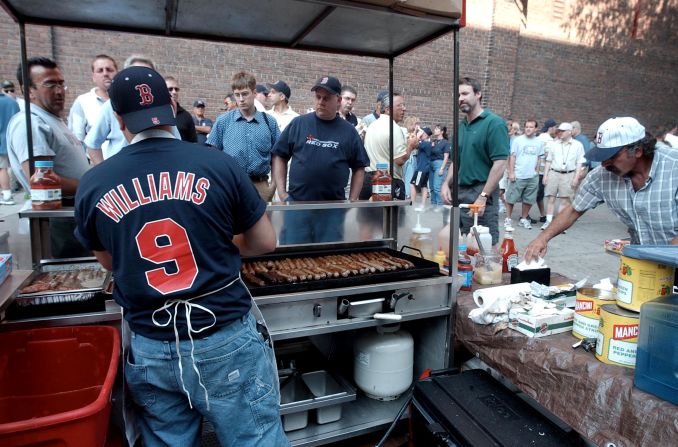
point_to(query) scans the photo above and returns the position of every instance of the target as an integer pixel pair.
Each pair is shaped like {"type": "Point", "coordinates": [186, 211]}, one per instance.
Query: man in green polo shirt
{"type": "Point", "coordinates": [483, 151]}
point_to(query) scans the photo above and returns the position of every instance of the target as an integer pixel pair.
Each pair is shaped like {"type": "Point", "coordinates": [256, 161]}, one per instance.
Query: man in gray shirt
{"type": "Point", "coordinates": [52, 140]}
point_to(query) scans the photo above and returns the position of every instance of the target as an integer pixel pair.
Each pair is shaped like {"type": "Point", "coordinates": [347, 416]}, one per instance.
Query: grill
{"type": "Point", "coordinates": [421, 268]}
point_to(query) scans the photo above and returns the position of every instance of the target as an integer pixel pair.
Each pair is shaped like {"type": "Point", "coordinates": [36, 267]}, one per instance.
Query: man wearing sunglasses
{"type": "Point", "coordinates": [184, 119]}
{"type": "Point", "coordinates": [638, 181]}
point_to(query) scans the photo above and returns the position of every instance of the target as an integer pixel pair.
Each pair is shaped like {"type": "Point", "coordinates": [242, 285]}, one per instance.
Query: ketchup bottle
{"type": "Point", "coordinates": [509, 252]}
{"type": "Point", "coordinates": [45, 186]}
{"type": "Point", "coordinates": [381, 184]}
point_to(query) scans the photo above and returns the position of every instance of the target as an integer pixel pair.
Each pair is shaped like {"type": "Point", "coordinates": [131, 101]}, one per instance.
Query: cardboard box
{"type": "Point", "coordinates": [541, 325]}
{"type": "Point", "coordinates": [5, 266]}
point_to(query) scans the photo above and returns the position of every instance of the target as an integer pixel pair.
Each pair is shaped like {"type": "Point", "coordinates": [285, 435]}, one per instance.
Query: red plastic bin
{"type": "Point", "coordinates": [55, 386]}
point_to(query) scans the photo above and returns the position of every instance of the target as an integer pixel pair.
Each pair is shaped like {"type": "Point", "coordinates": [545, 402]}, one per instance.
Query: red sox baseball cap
{"type": "Point", "coordinates": [329, 83]}
{"type": "Point", "coordinates": [613, 135]}
{"type": "Point", "coordinates": [140, 96]}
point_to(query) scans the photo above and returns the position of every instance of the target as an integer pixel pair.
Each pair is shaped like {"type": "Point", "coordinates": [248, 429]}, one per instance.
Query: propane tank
{"type": "Point", "coordinates": [384, 362]}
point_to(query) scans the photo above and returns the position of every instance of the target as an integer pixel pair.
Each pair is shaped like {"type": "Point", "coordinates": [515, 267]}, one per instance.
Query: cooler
{"type": "Point", "coordinates": [55, 385]}
{"type": "Point", "coordinates": [474, 409]}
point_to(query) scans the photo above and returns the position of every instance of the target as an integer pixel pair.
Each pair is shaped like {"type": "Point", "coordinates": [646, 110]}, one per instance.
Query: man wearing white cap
{"type": "Point", "coordinates": [563, 170]}
{"type": "Point", "coordinates": [638, 182]}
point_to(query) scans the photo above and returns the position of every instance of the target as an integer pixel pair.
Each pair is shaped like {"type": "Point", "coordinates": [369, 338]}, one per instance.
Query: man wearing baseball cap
{"type": "Point", "coordinates": [323, 148]}
{"type": "Point", "coordinates": [638, 182]}
{"type": "Point", "coordinates": [203, 125]}
{"type": "Point", "coordinates": [172, 228]}
{"type": "Point", "coordinates": [563, 170]}
{"type": "Point", "coordinates": [279, 98]}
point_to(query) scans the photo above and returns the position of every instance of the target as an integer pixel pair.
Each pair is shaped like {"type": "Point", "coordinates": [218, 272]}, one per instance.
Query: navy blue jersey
{"type": "Point", "coordinates": [424, 156]}
{"type": "Point", "coordinates": [322, 153]}
{"type": "Point", "coordinates": [167, 212]}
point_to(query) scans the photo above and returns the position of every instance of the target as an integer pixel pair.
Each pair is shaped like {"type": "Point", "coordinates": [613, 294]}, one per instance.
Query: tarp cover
{"type": "Point", "coordinates": [597, 400]}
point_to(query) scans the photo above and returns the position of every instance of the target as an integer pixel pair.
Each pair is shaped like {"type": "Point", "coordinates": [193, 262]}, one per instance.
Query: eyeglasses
{"type": "Point", "coordinates": [8, 90]}
{"type": "Point", "coordinates": [242, 95]}
{"type": "Point", "coordinates": [173, 89]}
{"type": "Point", "coordinates": [54, 84]}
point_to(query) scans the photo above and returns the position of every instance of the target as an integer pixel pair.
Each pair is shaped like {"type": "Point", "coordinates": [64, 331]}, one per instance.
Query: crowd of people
{"type": "Point", "coordinates": [172, 227]}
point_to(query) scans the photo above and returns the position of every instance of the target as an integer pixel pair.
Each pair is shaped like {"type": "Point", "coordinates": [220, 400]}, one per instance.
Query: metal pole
{"type": "Point", "coordinates": [25, 79]}
{"type": "Point", "coordinates": [454, 212]}
{"type": "Point", "coordinates": [390, 223]}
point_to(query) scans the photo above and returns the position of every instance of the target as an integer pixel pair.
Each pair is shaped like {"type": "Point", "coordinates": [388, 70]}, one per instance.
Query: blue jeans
{"type": "Point", "coordinates": [435, 182]}
{"type": "Point", "coordinates": [308, 226]}
{"type": "Point", "coordinates": [236, 366]}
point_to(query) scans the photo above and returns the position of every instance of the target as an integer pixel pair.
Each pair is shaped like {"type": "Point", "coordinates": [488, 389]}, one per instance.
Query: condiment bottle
{"type": "Point", "coordinates": [381, 183]}
{"type": "Point", "coordinates": [471, 244]}
{"type": "Point", "coordinates": [421, 240]}
{"type": "Point", "coordinates": [464, 268]}
{"type": "Point", "coordinates": [440, 257]}
{"type": "Point", "coordinates": [45, 186]}
{"type": "Point", "coordinates": [509, 252]}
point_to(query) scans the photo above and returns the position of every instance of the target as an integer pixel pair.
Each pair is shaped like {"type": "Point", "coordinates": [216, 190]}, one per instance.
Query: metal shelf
{"type": "Point", "coordinates": [364, 415]}
{"type": "Point", "coordinates": [355, 323]}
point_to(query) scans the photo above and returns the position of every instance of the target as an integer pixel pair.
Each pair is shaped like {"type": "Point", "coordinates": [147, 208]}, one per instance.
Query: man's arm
{"type": "Point", "coordinates": [578, 175]}
{"type": "Point", "coordinates": [412, 143]}
{"type": "Point", "coordinates": [512, 168]}
{"type": "Point", "coordinates": [96, 156]}
{"type": "Point", "coordinates": [547, 169]}
{"type": "Point", "coordinates": [563, 220]}
{"type": "Point", "coordinates": [68, 185]}
{"type": "Point", "coordinates": [203, 129]}
{"type": "Point", "coordinates": [259, 239]}
{"type": "Point", "coordinates": [279, 175]}
{"type": "Point", "coordinates": [445, 191]}
{"type": "Point", "coordinates": [104, 259]}
{"type": "Point", "coordinates": [674, 241]}
{"type": "Point", "coordinates": [496, 173]}
{"type": "Point", "coordinates": [357, 177]}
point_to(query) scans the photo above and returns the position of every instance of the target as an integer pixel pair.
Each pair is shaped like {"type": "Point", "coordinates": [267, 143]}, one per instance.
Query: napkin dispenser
{"type": "Point", "coordinates": [540, 275]}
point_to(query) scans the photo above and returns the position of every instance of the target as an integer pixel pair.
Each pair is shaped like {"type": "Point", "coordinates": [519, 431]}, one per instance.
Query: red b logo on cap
{"type": "Point", "coordinates": [145, 94]}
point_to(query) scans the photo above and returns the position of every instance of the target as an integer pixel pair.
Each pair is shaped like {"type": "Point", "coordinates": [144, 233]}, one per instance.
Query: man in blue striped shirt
{"type": "Point", "coordinates": [638, 181]}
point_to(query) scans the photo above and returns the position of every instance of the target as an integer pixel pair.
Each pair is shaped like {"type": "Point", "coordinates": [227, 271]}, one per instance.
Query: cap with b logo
{"type": "Point", "coordinates": [329, 83]}
{"type": "Point", "coordinates": [613, 135]}
{"type": "Point", "coordinates": [140, 96]}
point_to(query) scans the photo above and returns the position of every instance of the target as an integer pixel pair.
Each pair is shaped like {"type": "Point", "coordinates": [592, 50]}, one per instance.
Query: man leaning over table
{"type": "Point", "coordinates": [638, 181]}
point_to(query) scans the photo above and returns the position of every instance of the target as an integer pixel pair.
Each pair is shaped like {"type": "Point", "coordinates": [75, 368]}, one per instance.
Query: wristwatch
{"type": "Point", "coordinates": [484, 194]}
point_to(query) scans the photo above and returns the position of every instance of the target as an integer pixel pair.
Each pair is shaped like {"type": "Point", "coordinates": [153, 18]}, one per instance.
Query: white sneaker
{"type": "Point", "coordinates": [525, 223]}
{"type": "Point", "coordinates": [7, 202]}
{"type": "Point", "coordinates": [546, 225]}
{"type": "Point", "coordinates": [508, 222]}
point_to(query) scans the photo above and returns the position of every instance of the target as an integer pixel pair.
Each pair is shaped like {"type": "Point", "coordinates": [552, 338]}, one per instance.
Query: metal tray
{"type": "Point", "coordinates": [62, 296]}
{"type": "Point", "coordinates": [341, 391]}
{"type": "Point", "coordinates": [423, 268]}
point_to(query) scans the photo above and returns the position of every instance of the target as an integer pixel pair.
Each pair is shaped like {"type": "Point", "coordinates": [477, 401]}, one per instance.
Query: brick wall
{"type": "Point", "coordinates": [549, 58]}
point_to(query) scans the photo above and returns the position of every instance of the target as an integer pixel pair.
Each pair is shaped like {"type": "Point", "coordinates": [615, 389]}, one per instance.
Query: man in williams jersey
{"type": "Point", "coordinates": [171, 219]}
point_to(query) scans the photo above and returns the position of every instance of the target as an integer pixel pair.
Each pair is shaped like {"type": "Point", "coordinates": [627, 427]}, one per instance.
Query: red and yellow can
{"type": "Point", "coordinates": [617, 336]}
{"type": "Point", "coordinates": [587, 311]}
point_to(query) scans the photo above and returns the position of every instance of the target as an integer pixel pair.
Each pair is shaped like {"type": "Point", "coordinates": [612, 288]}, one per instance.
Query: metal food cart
{"type": "Point", "coordinates": [424, 304]}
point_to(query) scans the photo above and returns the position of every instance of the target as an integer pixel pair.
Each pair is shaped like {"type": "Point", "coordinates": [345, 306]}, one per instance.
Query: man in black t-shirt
{"type": "Point", "coordinates": [184, 119]}
{"type": "Point", "coordinates": [323, 148]}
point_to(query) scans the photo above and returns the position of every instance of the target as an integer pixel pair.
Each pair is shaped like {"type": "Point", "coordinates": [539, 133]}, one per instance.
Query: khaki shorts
{"type": "Point", "coordinates": [559, 184]}
{"type": "Point", "coordinates": [4, 161]}
{"type": "Point", "coordinates": [523, 190]}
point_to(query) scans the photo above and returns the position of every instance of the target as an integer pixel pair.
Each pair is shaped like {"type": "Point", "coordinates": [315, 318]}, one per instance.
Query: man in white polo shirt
{"type": "Point", "coordinates": [86, 107]}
